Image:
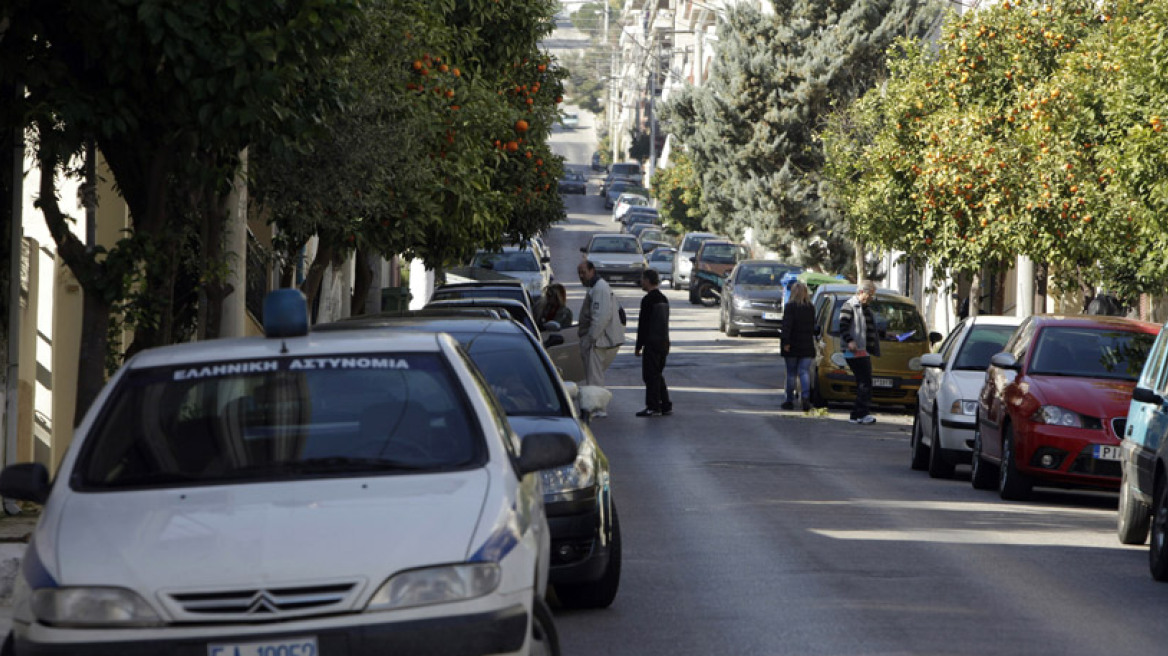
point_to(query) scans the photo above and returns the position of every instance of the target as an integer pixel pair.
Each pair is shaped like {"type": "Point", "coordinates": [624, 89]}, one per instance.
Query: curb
{"type": "Point", "coordinates": [11, 553]}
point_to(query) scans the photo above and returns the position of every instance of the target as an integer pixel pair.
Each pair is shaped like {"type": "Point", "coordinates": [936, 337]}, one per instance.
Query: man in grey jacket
{"type": "Point", "coordinates": [601, 332]}
{"type": "Point", "coordinates": [858, 333]}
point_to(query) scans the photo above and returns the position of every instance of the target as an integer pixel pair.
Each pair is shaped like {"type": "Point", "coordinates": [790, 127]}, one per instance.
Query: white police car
{"type": "Point", "coordinates": [295, 495]}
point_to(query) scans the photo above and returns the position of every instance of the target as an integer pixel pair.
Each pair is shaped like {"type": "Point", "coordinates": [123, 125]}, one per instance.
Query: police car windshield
{"type": "Point", "coordinates": [277, 418]}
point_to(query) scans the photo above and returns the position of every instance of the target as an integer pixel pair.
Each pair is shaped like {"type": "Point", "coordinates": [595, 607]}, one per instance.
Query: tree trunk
{"type": "Point", "coordinates": [975, 294]}
{"type": "Point", "coordinates": [362, 281]}
{"type": "Point", "coordinates": [92, 357]}
{"type": "Point", "coordinates": [215, 287]}
{"type": "Point", "coordinates": [325, 254]}
{"type": "Point", "coordinates": [861, 273]}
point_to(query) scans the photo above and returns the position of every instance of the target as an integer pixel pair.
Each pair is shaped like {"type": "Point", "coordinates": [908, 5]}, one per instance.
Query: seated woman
{"type": "Point", "coordinates": [553, 306]}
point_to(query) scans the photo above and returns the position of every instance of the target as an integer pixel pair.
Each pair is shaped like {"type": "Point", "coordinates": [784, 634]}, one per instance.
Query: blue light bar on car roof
{"type": "Point", "coordinates": [285, 313]}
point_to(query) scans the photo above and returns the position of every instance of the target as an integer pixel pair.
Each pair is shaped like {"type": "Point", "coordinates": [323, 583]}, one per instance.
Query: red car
{"type": "Point", "coordinates": [1055, 401]}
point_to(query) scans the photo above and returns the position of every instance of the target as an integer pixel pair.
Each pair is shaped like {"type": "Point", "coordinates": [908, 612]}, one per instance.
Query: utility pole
{"type": "Point", "coordinates": [655, 50]}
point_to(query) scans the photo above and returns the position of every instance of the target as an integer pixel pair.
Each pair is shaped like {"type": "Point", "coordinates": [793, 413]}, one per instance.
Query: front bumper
{"type": "Point", "coordinates": [620, 274]}
{"type": "Point", "coordinates": [579, 540]}
{"type": "Point", "coordinates": [499, 631]}
{"type": "Point", "coordinates": [837, 386]}
{"type": "Point", "coordinates": [956, 436]}
{"type": "Point", "coordinates": [1072, 449]}
{"type": "Point", "coordinates": [752, 319]}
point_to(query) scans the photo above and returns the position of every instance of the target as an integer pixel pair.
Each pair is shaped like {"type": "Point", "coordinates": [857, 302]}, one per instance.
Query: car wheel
{"type": "Point", "coordinates": [983, 476]}
{"type": "Point", "coordinates": [7, 649]}
{"type": "Point", "coordinates": [731, 329]}
{"type": "Point", "coordinates": [1158, 554]}
{"type": "Point", "coordinates": [602, 592]}
{"type": "Point", "coordinates": [706, 295]}
{"type": "Point", "coordinates": [693, 296]}
{"type": "Point", "coordinates": [545, 641]}
{"type": "Point", "coordinates": [920, 457]}
{"type": "Point", "coordinates": [721, 322]}
{"type": "Point", "coordinates": [1133, 517]}
{"type": "Point", "coordinates": [1013, 485]}
{"type": "Point", "coordinates": [938, 466]}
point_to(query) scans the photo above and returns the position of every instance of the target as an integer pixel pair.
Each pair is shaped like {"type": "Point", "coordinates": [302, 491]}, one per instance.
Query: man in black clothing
{"type": "Point", "coordinates": [861, 339]}
{"type": "Point", "coordinates": [653, 345]}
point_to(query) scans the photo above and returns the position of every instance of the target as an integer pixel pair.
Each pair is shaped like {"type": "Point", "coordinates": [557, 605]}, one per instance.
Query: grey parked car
{"type": "Point", "coordinates": [660, 259]}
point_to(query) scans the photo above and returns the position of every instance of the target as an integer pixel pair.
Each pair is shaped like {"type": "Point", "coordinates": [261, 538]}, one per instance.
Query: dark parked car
{"type": "Point", "coordinates": [752, 297]}
{"type": "Point", "coordinates": [513, 289]}
{"type": "Point", "coordinates": [573, 183]}
{"type": "Point", "coordinates": [597, 163]}
{"type": "Point", "coordinates": [582, 518]}
{"type": "Point", "coordinates": [1054, 404]}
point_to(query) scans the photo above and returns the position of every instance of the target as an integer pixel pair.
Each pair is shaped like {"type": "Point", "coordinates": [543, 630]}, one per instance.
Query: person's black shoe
{"type": "Point", "coordinates": [787, 405]}
{"type": "Point", "coordinates": [806, 405]}
{"type": "Point", "coordinates": [649, 412]}
{"type": "Point", "coordinates": [667, 410]}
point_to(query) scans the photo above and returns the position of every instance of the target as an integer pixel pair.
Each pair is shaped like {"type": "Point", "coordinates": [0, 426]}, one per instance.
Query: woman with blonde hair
{"type": "Point", "coordinates": [798, 344]}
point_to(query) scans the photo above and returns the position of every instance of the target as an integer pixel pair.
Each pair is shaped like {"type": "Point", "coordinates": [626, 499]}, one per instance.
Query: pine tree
{"type": "Point", "coordinates": [751, 131]}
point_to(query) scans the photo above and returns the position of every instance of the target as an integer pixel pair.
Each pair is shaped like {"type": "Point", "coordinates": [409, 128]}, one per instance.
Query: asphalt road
{"type": "Point", "coordinates": [749, 530]}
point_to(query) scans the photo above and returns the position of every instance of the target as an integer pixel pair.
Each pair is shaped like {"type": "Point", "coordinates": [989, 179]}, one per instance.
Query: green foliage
{"type": "Point", "coordinates": [638, 145]}
{"type": "Point", "coordinates": [752, 129]}
{"type": "Point", "coordinates": [679, 194]}
{"type": "Point", "coordinates": [1017, 137]}
{"type": "Point", "coordinates": [584, 85]}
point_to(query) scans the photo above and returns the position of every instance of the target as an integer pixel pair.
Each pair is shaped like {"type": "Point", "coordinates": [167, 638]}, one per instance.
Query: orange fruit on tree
{"type": "Point", "coordinates": [521, 126]}
{"type": "Point", "coordinates": [444, 68]}
{"type": "Point", "coordinates": [541, 68]}
{"type": "Point", "coordinates": [417, 64]}
{"type": "Point", "coordinates": [512, 146]}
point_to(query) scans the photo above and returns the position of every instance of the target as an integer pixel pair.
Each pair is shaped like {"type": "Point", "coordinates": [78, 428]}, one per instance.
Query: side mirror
{"type": "Point", "coordinates": [554, 339]}
{"type": "Point", "coordinates": [27, 481]}
{"type": "Point", "coordinates": [583, 250]}
{"type": "Point", "coordinates": [550, 326]}
{"type": "Point", "coordinates": [932, 360]}
{"type": "Point", "coordinates": [546, 451]}
{"type": "Point", "coordinates": [545, 259]}
{"type": "Point", "coordinates": [693, 259]}
{"type": "Point", "coordinates": [935, 337]}
{"type": "Point", "coordinates": [1005, 361]}
{"type": "Point", "coordinates": [1145, 395]}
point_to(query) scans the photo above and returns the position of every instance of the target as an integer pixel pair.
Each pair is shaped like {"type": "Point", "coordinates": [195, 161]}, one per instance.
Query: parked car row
{"type": "Point", "coordinates": [1054, 401]}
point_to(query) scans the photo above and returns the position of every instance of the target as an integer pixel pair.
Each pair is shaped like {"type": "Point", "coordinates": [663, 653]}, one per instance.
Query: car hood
{"type": "Point", "coordinates": [1094, 397]}
{"type": "Point", "coordinates": [532, 425]}
{"type": "Point", "coordinates": [360, 528]}
{"type": "Point", "coordinates": [758, 292]}
{"type": "Point", "coordinates": [619, 259]}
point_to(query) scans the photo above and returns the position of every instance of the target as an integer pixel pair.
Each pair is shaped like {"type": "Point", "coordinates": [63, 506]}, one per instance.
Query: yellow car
{"type": "Point", "coordinates": [896, 372]}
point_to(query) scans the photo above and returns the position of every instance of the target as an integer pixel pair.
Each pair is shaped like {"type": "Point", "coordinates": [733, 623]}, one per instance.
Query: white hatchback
{"type": "Point", "coordinates": [300, 495]}
{"type": "Point", "coordinates": [526, 264]}
{"type": "Point", "coordinates": [942, 435]}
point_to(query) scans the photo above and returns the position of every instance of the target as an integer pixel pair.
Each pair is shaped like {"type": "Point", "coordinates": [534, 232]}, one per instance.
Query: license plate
{"type": "Point", "coordinates": [286, 647]}
{"type": "Point", "coordinates": [1106, 452]}
{"type": "Point", "coordinates": [772, 316]}
{"type": "Point", "coordinates": [882, 382]}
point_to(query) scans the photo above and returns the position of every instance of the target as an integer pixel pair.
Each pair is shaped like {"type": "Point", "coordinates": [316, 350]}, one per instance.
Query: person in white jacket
{"type": "Point", "coordinates": [601, 331]}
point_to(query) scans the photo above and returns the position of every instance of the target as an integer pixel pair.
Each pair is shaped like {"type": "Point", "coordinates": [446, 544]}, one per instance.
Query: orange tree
{"type": "Point", "coordinates": [984, 149]}
{"type": "Point", "coordinates": [441, 147]}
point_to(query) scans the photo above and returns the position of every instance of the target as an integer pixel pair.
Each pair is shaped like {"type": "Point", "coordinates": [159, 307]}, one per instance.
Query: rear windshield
{"type": "Point", "coordinates": [626, 169]}
{"type": "Point", "coordinates": [662, 255]}
{"type": "Point", "coordinates": [614, 245]}
{"type": "Point", "coordinates": [895, 321]}
{"type": "Point", "coordinates": [281, 418]}
{"type": "Point", "coordinates": [982, 344]}
{"type": "Point", "coordinates": [1090, 353]}
{"type": "Point", "coordinates": [516, 293]}
{"type": "Point", "coordinates": [691, 243]}
{"type": "Point", "coordinates": [509, 261]}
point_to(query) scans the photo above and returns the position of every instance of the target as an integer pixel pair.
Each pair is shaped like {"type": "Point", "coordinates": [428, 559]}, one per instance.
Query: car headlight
{"type": "Point", "coordinates": [92, 607]}
{"type": "Point", "coordinates": [580, 475]}
{"type": "Point", "coordinates": [436, 585]}
{"type": "Point", "coordinates": [741, 303]}
{"type": "Point", "coordinates": [963, 407]}
{"type": "Point", "coordinates": [1056, 416]}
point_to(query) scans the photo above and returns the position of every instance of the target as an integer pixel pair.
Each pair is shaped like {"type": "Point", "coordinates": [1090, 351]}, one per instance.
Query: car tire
{"type": "Point", "coordinates": [1013, 485]}
{"type": "Point", "coordinates": [1158, 553]}
{"type": "Point", "coordinates": [1133, 517]}
{"type": "Point", "coordinates": [693, 296]}
{"type": "Point", "coordinates": [939, 467]}
{"type": "Point", "coordinates": [983, 475]}
{"type": "Point", "coordinates": [8, 648]}
{"type": "Point", "coordinates": [920, 457]}
{"type": "Point", "coordinates": [721, 322]}
{"type": "Point", "coordinates": [731, 329]}
{"type": "Point", "coordinates": [545, 640]}
{"type": "Point", "coordinates": [706, 295]}
{"type": "Point", "coordinates": [601, 592]}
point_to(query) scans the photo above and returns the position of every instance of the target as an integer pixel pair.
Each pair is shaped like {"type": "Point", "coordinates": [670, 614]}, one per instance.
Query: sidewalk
{"type": "Point", "coordinates": [15, 531]}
